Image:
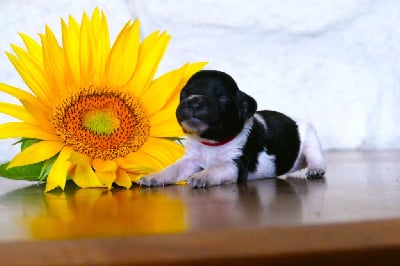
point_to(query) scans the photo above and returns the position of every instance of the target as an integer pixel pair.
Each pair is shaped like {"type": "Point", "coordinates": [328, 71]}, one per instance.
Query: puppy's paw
{"type": "Point", "coordinates": [197, 181]}
{"type": "Point", "coordinates": [314, 173]}
{"type": "Point", "coordinates": [153, 180]}
{"type": "Point", "coordinates": [214, 176]}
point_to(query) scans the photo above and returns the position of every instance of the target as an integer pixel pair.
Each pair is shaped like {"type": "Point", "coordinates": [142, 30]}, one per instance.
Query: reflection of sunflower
{"type": "Point", "coordinates": [95, 114]}
{"type": "Point", "coordinates": [97, 213]}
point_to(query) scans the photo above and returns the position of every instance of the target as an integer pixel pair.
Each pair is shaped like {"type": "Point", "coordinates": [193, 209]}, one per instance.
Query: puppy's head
{"type": "Point", "coordinates": [212, 106]}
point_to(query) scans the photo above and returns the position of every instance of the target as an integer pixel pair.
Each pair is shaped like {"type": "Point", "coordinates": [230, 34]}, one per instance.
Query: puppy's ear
{"type": "Point", "coordinates": [247, 105]}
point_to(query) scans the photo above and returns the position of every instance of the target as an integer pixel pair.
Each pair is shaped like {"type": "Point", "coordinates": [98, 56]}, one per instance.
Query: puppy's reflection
{"type": "Point", "coordinates": [249, 204]}
{"type": "Point", "coordinates": [311, 192]}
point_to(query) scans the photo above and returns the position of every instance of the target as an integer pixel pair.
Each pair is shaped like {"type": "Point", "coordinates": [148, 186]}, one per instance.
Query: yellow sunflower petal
{"type": "Point", "coordinates": [170, 152]}
{"type": "Point", "coordinates": [162, 89]}
{"type": "Point", "coordinates": [126, 46]}
{"type": "Point", "coordinates": [84, 176]}
{"type": "Point", "coordinates": [79, 158]}
{"type": "Point", "coordinates": [41, 116]}
{"type": "Point", "coordinates": [160, 158]}
{"type": "Point", "coordinates": [101, 44]}
{"type": "Point", "coordinates": [22, 95]}
{"type": "Point", "coordinates": [135, 177]}
{"type": "Point", "coordinates": [104, 166]}
{"type": "Point", "coordinates": [167, 87]}
{"type": "Point", "coordinates": [137, 161]}
{"type": "Point", "coordinates": [32, 76]}
{"type": "Point", "coordinates": [38, 152]}
{"type": "Point", "coordinates": [23, 130]}
{"type": "Point", "coordinates": [107, 178]}
{"type": "Point", "coordinates": [17, 111]}
{"type": "Point", "coordinates": [13, 91]}
{"type": "Point", "coordinates": [148, 66]}
{"type": "Point", "coordinates": [164, 123]}
{"type": "Point", "coordinates": [70, 33]}
{"type": "Point", "coordinates": [147, 45]}
{"type": "Point", "coordinates": [54, 65]}
{"type": "Point", "coordinates": [86, 51]}
{"type": "Point", "coordinates": [122, 179]}
{"type": "Point", "coordinates": [58, 173]}
{"type": "Point", "coordinates": [189, 71]}
{"type": "Point", "coordinates": [165, 127]}
{"type": "Point", "coordinates": [31, 104]}
{"type": "Point", "coordinates": [33, 48]}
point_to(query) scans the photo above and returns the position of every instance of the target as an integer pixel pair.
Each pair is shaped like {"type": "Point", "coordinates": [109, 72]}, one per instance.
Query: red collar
{"type": "Point", "coordinates": [213, 144]}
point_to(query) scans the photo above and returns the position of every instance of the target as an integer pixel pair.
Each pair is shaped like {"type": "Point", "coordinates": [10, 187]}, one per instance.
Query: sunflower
{"type": "Point", "coordinates": [94, 113]}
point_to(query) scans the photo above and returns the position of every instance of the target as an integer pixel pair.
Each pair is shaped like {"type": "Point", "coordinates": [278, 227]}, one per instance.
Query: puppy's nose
{"type": "Point", "coordinates": [194, 103]}
{"type": "Point", "coordinates": [193, 106]}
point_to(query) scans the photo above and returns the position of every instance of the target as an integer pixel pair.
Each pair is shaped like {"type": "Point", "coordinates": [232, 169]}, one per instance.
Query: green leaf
{"type": "Point", "coordinates": [179, 140]}
{"type": "Point", "coordinates": [32, 172]}
{"type": "Point", "coordinates": [25, 143]}
{"type": "Point", "coordinates": [46, 167]}
{"type": "Point", "coordinates": [29, 172]}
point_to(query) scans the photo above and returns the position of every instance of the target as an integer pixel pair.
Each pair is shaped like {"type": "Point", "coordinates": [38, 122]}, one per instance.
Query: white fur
{"type": "Point", "coordinates": [265, 168]}
{"type": "Point", "coordinates": [310, 153]}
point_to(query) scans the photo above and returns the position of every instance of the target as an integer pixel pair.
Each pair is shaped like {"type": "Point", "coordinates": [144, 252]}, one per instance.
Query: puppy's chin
{"type": "Point", "coordinates": [194, 126]}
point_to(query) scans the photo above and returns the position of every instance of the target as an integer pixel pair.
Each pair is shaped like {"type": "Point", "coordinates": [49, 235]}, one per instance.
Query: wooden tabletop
{"type": "Point", "coordinates": [352, 217]}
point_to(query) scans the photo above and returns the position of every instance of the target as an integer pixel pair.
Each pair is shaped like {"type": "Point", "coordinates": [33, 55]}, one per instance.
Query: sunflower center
{"type": "Point", "coordinates": [102, 123]}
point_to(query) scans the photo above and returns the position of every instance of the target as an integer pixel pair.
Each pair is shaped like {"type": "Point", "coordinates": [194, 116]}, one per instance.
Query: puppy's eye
{"type": "Point", "coordinates": [224, 98]}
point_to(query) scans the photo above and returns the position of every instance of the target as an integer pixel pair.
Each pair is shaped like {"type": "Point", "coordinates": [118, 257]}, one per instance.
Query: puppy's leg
{"type": "Point", "coordinates": [225, 173]}
{"type": "Point", "coordinates": [312, 152]}
{"type": "Point", "coordinates": [176, 172]}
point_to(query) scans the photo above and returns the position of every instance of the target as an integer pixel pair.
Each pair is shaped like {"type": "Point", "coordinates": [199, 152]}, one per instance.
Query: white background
{"type": "Point", "coordinates": [335, 63]}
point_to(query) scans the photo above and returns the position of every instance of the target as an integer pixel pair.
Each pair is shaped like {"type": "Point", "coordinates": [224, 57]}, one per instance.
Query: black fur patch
{"type": "Point", "coordinates": [254, 145]}
{"type": "Point", "coordinates": [281, 139]}
{"type": "Point", "coordinates": [241, 164]}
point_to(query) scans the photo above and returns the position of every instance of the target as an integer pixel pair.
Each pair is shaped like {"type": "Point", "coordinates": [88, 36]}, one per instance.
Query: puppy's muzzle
{"type": "Point", "coordinates": [195, 112]}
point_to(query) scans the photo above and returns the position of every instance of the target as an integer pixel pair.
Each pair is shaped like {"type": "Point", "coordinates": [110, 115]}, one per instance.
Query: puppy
{"type": "Point", "coordinates": [228, 141]}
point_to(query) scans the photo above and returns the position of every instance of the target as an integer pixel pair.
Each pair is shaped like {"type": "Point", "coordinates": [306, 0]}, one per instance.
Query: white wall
{"type": "Point", "coordinates": [333, 62]}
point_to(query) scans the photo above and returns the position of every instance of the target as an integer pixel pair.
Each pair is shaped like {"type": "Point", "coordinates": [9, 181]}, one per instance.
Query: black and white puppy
{"type": "Point", "coordinates": [228, 141]}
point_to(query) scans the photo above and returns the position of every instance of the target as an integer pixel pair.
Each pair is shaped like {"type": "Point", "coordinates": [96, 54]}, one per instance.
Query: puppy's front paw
{"type": "Point", "coordinates": [197, 181]}
{"type": "Point", "coordinates": [214, 176]}
{"type": "Point", "coordinates": [315, 173]}
{"type": "Point", "coordinates": [153, 180]}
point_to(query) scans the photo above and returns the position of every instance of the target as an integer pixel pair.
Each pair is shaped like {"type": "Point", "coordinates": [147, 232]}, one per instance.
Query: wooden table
{"type": "Point", "coordinates": [350, 218]}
